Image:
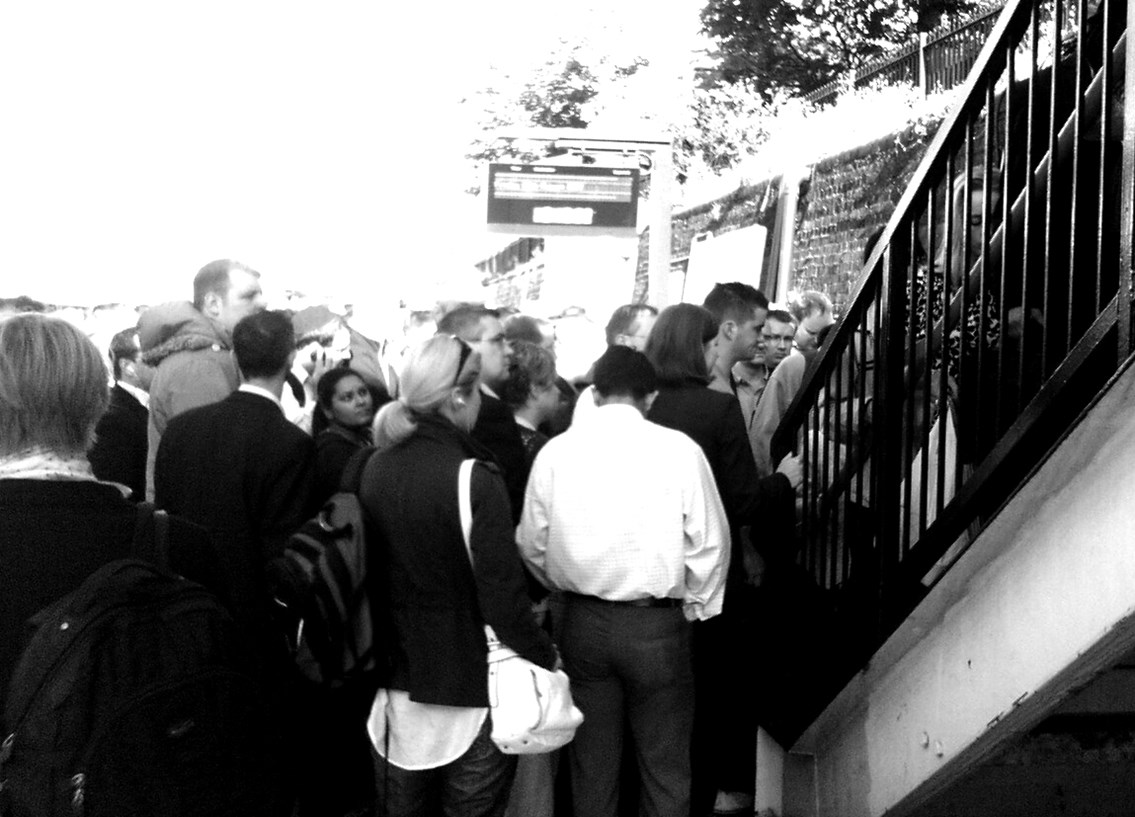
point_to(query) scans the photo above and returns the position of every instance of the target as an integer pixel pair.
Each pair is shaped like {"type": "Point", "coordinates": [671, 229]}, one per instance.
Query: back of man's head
{"type": "Point", "coordinates": [464, 320]}
{"type": "Point", "coordinates": [625, 319]}
{"type": "Point", "coordinates": [623, 372]}
{"type": "Point", "coordinates": [123, 347]}
{"type": "Point", "coordinates": [264, 343]}
{"type": "Point", "coordinates": [214, 277]}
{"type": "Point", "coordinates": [734, 301]}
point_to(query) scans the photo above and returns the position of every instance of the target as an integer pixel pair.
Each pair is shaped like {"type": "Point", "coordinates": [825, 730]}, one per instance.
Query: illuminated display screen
{"type": "Point", "coordinates": [581, 197]}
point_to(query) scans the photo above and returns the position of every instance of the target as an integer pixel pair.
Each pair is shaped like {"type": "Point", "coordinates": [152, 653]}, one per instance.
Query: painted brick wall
{"type": "Point", "coordinates": [844, 200]}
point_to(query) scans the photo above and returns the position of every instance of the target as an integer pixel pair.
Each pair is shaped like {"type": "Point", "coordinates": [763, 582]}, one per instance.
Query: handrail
{"type": "Point", "coordinates": [991, 310]}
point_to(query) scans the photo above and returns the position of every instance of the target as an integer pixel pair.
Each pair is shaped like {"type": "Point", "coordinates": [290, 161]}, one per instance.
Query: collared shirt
{"type": "Point", "coordinates": [141, 395]}
{"type": "Point", "coordinates": [252, 389]}
{"type": "Point", "coordinates": [780, 391]}
{"type": "Point", "coordinates": [621, 508]}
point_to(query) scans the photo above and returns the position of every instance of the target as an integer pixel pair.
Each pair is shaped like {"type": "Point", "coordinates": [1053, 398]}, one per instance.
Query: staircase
{"type": "Point", "coordinates": [985, 350]}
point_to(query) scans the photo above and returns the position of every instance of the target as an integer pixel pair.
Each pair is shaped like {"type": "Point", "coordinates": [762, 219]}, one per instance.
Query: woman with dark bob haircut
{"type": "Point", "coordinates": [682, 348]}
{"type": "Point", "coordinates": [58, 523]}
{"type": "Point", "coordinates": [430, 724]}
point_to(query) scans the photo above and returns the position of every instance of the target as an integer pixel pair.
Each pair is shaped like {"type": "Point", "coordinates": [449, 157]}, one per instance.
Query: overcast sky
{"type": "Point", "coordinates": [312, 141]}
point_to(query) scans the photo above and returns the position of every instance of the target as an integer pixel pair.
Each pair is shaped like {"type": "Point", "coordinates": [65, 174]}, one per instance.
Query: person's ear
{"type": "Point", "coordinates": [213, 304]}
{"type": "Point", "coordinates": [728, 329]}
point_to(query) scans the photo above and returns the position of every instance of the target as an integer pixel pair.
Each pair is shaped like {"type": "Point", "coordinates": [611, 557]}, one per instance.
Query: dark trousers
{"type": "Point", "coordinates": [629, 666]}
{"type": "Point", "coordinates": [474, 785]}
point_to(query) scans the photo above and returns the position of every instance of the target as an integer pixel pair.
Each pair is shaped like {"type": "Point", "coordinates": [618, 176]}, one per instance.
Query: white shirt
{"type": "Point", "coordinates": [621, 508]}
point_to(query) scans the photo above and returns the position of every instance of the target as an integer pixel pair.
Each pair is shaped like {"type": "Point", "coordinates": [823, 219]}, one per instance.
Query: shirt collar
{"type": "Point", "coordinates": [521, 421]}
{"type": "Point", "coordinates": [249, 388]}
{"type": "Point", "coordinates": [141, 395]}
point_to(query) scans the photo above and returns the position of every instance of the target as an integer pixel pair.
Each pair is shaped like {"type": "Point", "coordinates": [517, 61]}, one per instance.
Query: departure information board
{"type": "Point", "coordinates": [563, 200]}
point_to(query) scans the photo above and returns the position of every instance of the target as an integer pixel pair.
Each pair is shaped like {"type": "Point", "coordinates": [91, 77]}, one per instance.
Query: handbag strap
{"type": "Point", "coordinates": [465, 509]}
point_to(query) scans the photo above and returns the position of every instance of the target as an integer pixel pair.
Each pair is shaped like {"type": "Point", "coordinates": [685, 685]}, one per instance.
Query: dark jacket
{"type": "Point", "coordinates": [334, 447]}
{"type": "Point", "coordinates": [119, 452]}
{"type": "Point", "coordinates": [713, 420]}
{"type": "Point", "coordinates": [53, 534]}
{"type": "Point", "coordinates": [496, 430]}
{"type": "Point", "coordinates": [239, 469]}
{"type": "Point", "coordinates": [439, 603]}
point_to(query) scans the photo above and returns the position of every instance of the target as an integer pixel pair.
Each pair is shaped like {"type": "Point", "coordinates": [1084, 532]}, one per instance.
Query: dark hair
{"type": "Point", "coordinates": [262, 343]}
{"type": "Point", "coordinates": [623, 371]}
{"type": "Point", "coordinates": [214, 277]}
{"type": "Point", "coordinates": [524, 328]}
{"type": "Point", "coordinates": [123, 346]}
{"type": "Point", "coordinates": [734, 302]}
{"type": "Point", "coordinates": [463, 318]}
{"type": "Point", "coordinates": [782, 316]}
{"type": "Point", "coordinates": [325, 392]}
{"type": "Point", "coordinates": [531, 365]}
{"type": "Point", "coordinates": [677, 344]}
{"type": "Point", "coordinates": [624, 318]}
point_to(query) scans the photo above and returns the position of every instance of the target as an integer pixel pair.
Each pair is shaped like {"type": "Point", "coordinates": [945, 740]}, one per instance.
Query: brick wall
{"type": "Point", "coordinates": [845, 199]}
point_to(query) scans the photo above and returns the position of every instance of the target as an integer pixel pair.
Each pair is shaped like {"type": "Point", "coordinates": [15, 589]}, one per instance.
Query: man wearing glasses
{"type": "Point", "coordinates": [495, 428]}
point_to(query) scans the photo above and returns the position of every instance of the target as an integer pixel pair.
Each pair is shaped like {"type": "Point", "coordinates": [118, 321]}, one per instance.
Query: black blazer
{"type": "Point", "coordinates": [438, 602]}
{"type": "Point", "coordinates": [496, 430]}
{"type": "Point", "coordinates": [119, 452]}
{"type": "Point", "coordinates": [243, 472]}
{"type": "Point", "coordinates": [713, 420]}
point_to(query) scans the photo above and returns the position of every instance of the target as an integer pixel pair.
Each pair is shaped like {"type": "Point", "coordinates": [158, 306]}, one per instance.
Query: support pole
{"type": "Point", "coordinates": [658, 271]}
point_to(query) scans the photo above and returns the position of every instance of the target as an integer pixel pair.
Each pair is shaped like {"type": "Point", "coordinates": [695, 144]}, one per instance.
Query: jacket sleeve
{"type": "Point", "coordinates": [499, 574]}
{"type": "Point", "coordinates": [748, 499]}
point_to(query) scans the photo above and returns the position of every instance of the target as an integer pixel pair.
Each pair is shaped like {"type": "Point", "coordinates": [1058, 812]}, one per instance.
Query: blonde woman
{"type": "Point", "coordinates": [430, 724]}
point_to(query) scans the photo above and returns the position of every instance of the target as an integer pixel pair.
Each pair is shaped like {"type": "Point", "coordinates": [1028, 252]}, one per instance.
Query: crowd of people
{"type": "Point", "coordinates": [619, 526]}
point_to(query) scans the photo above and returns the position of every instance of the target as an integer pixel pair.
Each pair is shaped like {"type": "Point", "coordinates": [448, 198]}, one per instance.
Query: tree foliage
{"type": "Point", "coordinates": [794, 46]}
{"type": "Point", "coordinates": [559, 93]}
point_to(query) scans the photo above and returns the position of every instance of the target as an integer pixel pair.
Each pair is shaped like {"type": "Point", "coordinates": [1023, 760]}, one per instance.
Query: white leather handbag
{"type": "Point", "coordinates": [531, 707]}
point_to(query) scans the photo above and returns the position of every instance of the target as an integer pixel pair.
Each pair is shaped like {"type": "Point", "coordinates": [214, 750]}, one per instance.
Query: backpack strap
{"type": "Point", "coordinates": [151, 535]}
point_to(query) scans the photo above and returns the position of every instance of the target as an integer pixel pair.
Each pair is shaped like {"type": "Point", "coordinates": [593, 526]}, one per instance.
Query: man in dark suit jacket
{"type": "Point", "coordinates": [495, 427]}
{"type": "Point", "coordinates": [119, 452]}
{"type": "Point", "coordinates": [239, 469]}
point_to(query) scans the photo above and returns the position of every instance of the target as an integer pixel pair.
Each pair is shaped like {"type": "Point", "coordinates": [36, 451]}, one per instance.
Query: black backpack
{"type": "Point", "coordinates": [326, 581]}
{"type": "Point", "coordinates": [136, 696]}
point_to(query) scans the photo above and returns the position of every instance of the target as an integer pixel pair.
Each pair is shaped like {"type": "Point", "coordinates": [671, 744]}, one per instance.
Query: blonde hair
{"type": "Point", "coordinates": [53, 385]}
{"type": "Point", "coordinates": [428, 377]}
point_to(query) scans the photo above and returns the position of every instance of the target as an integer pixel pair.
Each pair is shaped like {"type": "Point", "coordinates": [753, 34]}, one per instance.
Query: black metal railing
{"type": "Point", "coordinates": [993, 309]}
{"type": "Point", "coordinates": [937, 62]}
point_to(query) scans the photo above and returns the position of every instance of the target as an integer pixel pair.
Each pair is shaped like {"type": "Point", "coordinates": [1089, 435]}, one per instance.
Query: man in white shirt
{"type": "Point", "coordinates": [623, 516]}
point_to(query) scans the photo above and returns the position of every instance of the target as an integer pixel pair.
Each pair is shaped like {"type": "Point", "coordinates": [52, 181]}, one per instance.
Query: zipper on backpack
{"type": "Point", "coordinates": [78, 793]}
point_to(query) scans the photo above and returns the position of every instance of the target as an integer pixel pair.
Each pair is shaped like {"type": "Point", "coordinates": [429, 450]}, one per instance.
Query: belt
{"type": "Point", "coordinates": [650, 601]}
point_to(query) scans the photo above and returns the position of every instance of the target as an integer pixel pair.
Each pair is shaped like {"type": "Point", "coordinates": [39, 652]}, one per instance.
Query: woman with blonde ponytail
{"type": "Point", "coordinates": [429, 724]}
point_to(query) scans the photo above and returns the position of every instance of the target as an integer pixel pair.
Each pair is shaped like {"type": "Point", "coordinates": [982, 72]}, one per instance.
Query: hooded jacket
{"type": "Point", "coordinates": [193, 366]}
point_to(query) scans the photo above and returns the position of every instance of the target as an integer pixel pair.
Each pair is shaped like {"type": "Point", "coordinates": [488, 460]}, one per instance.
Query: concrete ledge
{"type": "Point", "coordinates": [1042, 602]}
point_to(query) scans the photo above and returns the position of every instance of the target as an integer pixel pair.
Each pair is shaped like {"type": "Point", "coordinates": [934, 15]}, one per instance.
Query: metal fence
{"type": "Point", "coordinates": [994, 308]}
{"type": "Point", "coordinates": [935, 62]}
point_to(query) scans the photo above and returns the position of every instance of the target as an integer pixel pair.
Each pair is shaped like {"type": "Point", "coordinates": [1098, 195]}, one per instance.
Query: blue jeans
{"type": "Point", "coordinates": [474, 785]}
